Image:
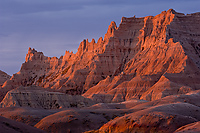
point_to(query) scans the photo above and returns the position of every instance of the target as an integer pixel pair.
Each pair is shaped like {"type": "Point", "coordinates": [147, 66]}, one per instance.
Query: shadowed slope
{"type": "Point", "coordinates": [190, 128]}
{"type": "Point", "coordinates": [78, 121]}
{"type": "Point", "coordinates": [10, 126]}
{"type": "Point", "coordinates": [163, 118]}
{"type": "Point", "coordinates": [27, 115]}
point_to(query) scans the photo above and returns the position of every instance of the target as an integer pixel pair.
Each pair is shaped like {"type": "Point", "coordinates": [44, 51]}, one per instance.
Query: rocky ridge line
{"type": "Point", "coordinates": [145, 58]}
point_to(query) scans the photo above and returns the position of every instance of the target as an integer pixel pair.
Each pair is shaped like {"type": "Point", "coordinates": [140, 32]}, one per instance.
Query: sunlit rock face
{"type": "Point", "coordinates": [3, 77]}
{"type": "Point", "coordinates": [144, 58]}
{"type": "Point", "coordinates": [163, 59]}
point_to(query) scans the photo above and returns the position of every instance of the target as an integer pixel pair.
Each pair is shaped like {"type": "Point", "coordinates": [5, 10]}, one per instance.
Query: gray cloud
{"type": "Point", "coordinates": [33, 6]}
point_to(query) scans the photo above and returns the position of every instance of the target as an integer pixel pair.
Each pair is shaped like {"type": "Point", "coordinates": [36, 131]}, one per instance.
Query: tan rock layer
{"type": "Point", "coordinates": [37, 98]}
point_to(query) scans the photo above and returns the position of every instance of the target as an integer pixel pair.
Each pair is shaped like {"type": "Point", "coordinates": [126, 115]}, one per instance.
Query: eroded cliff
{"type": "Point", "coordinates": [145, 58]}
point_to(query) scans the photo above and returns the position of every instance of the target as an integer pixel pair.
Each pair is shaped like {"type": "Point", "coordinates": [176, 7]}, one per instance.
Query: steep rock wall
{"type": "Point", "coordinates": [132, 61]}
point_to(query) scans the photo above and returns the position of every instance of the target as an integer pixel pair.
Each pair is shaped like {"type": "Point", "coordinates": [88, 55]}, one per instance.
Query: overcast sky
{"type": "Point", "coordinates": [53, 26]}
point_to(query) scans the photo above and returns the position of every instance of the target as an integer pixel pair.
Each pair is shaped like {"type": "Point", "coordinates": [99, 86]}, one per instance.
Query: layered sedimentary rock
{"type": "Point", "coordinates": [166, 63]}
{"type": "Point", "coordinates": [3, 77]}
{"type": "Point", "coordinates": [144, 76]}
{"type": "Point", "coordinates": [163, 115]}
{"type": "Point", "coordinates": [36, 97]}
{"type": "Point", "coordinates": [144, 58]}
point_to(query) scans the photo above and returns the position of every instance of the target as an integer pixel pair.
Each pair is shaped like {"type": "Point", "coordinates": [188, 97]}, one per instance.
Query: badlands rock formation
{"type": "Point", "coordinates": [36, 97]}
{"type": "Point", "coordinates": [3, 77]}
{"type": "Point", "coordinates": [165, 118]}
{"type": "Point", "coordinates": [166, 62]}
{"type": "Point", "coordinates": [164, 115]}
{"type": "Point", "coordinates": [144, 76]}
{"type": "Point", "coordinates": [145, 58]}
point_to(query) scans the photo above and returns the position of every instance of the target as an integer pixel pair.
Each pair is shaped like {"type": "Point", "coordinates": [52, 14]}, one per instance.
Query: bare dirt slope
{"type": "Point", "coordinates": [10, 126]}
{"type": "Point", "coordinates": [190, 128]}
{"type": "Point", "coordinates": [27, 115]}
{"type": "Point", "coordinates": [168, 114]}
